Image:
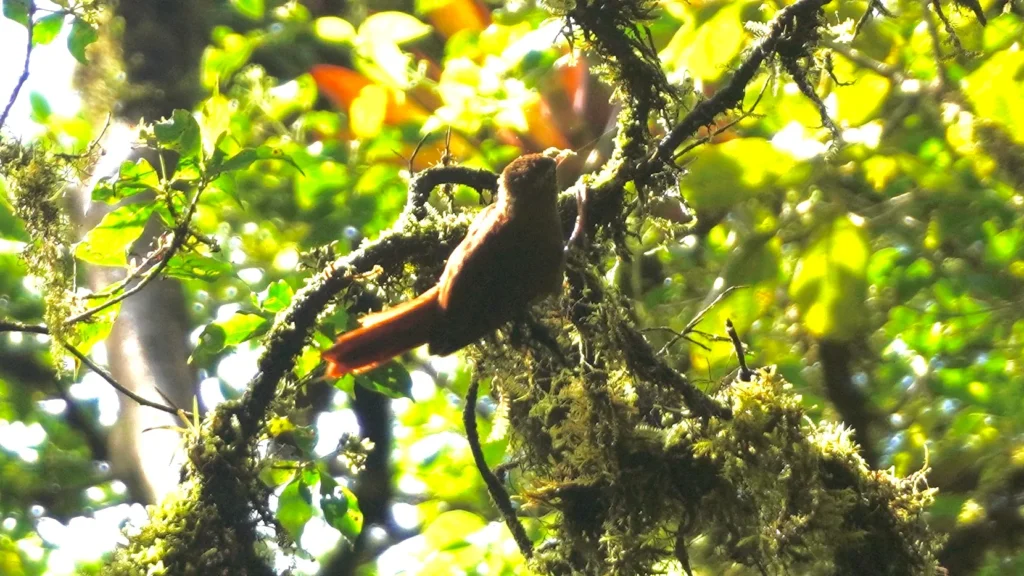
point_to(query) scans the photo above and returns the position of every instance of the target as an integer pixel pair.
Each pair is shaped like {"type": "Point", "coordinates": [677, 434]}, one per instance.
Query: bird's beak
{"type": "Point", "coordinates": [558, 154]}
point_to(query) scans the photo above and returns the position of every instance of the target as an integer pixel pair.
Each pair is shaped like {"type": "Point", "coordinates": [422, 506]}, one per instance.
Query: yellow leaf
{"type": "Point", "coordinates": [366, 115]}
{"type": "Point", "coordinates": [333, 29]}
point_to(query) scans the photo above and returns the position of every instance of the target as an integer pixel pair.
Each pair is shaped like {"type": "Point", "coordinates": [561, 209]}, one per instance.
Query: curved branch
{"type": "Point", "coordinates": [494, 487]}
{"type": "Point", "coordinates": [409, 240]}
{"type": "Point", "coordinates": [422, 183]}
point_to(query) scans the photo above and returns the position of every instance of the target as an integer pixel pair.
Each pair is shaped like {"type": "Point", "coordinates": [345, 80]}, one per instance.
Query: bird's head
{"type": "Point", "coordinates": [532, 176]}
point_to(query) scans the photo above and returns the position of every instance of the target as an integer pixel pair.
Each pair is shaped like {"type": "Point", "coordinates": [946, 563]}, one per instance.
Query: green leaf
{"type": "Point", "coordinates": [830, 282]}
{"type": "Point", "coordinates": [334, 30]}
{"type": "Point", "coordinates": [108, 242]}
{"type": "Point", "coordinates": [302, 438]}
{"type": "Point", "coordinates": [192, 266]}
{"type": "Point", "coordinates": [368, 110]}
{"type": "Point", "coordinates": [334, 508]}
{"type": "Point", "coordinates": [450, 529]}
{"type": "Point", "coordinates": [242, 327]}
{"type": "Point", "coordinates": [82, 34]}
{"type": "Point", "coordinates": [722, 175]}
{"type": "Point", "coordinates": [219, 335]}
{"type": "Point", "coordinates": [294, 507]}
{"type": "Point", "coordinates": [252, 9]}
{"type": "Point", "coordinates": [276, 297]}
{"type": "Point", "coordinates": [340, 507]}
{"type": "Point", "coordinates": [211, 342]}
{"type": "Point", "coordinates": [424, 6]}
{"type": "Point", "coordinates": [40, 107]}
{"type": "Point", "coordinates": [17, 10]}
{"type": "Point", "coordinates": [132, 178]}
{"type": "Point", "coordinates": [346, 383]}
{"type": "Point", "coordinates": [47, 28]}
{"type": "Point", "coordinates": [246, 157]}
{"type": "Point", "coordinates": [389, 64]}
{"type": "Point", "coordinates": [392, 27]}
{"type": "Point", "coordinates": [1004, 246]}
{"type": "Point", "coordinates": [87, 334]}
{"type": "Point", "coordinates": [860, 96]}
{"type": "Point", "coordinates": [276, 472]}
{"type": "Point", "coordinates": [707, 50]}
{"type": "Point", "coordinates": [996, 93]}
{"type": "Point", "coordinates": [218, 64]}
{"type": "Point", "coordinates": [180, 133]}
{"type": "Point", "coordinates": [391, 379]}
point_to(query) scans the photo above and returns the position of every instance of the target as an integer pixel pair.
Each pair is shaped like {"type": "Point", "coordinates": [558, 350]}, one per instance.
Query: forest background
{"type": "Point", "coordinates": [841, 181]}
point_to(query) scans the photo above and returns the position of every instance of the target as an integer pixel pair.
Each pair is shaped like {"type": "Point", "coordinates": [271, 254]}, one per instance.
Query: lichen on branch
{"type": "Point", "coordinates": [639, 468]}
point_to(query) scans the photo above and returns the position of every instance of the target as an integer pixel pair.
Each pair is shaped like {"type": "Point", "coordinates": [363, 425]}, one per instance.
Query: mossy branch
{"type": "Point", "coordinates": [610, 443]}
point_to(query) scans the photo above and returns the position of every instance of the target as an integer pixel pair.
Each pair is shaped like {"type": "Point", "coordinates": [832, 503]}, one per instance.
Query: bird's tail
{"type": "Point", "coordinates": [384, 335]}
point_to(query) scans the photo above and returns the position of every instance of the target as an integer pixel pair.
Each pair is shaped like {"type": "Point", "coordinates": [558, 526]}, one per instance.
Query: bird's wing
{"type": "Point", "coordinates": [484, 282]}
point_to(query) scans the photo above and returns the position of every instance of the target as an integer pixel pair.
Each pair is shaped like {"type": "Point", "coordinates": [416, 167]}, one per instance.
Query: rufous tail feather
{"type": "Point", "coordinates": [384, 335]}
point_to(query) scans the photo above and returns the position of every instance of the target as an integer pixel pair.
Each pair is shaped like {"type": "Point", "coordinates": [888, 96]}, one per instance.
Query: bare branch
{"type": "Point", "coordinates": [9, 326]}
{"type": "Point", "coordinates": [494, 486]}
{"type": "Point", "coordinates": [24, 70]}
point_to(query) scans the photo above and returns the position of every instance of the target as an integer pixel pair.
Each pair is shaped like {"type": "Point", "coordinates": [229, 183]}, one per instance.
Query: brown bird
{"type": "Point", "coordinates": [511, 256]}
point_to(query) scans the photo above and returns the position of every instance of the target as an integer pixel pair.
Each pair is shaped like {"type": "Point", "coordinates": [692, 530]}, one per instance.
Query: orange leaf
{"type": "Point", "coordinates": [339, 84]}
{"type": "Point", "coordinates": [457, 15]}
{"type": "Point", "coordinates": [342, 86]}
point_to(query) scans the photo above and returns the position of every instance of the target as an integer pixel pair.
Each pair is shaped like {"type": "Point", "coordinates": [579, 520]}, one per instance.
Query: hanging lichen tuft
{"type": "Point", "coordinates": [35, 182]}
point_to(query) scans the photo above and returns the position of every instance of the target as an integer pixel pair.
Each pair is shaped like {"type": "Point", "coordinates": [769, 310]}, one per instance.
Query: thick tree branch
{"type": "Point", "coordinates": [784, 27]}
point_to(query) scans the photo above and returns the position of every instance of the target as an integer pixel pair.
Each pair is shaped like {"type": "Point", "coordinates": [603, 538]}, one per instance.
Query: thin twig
{"type": "Point", "coordinates": [133, 275]}
{"type": "Point", "coordinates": [92, 145]}
{"type": "Point", "coordinates": [502, 469]}
{"type": "Point", "coordinates": [110, 380]}
{"type": "Point", "coordinates": [873, 6]}
{"type": "Point", "coordinates": [692, 324]}
{"type": "Point", "coordinates": [744, 114]}
{"type": "Point", "coordinates": [179, 236]}
{"type": "Point", "coordinates": [933, 33]}
{"type": "Point", "coordinates": [953, 37]}
{"type": "Point", "coordinates": [580, 191]}
{"type": "Point", "coordinates": [864, 61]}
{"type": "Point", "coordinates": [8, 326]}
{"type": "Point", "coordinates": [802, 82]}
{"type": "Point", "coordinates": [732, 93]}
{"type": "Point", "coordinates": [494, 486]}
{"type": "Point", "coordinates": [416, 151]}
{"type": "Point", "coordinates": [745, 373]}
{"type": "Point", "coordinates": [700, 315]}
{"type": "Point", "coordinates": [24, 70]}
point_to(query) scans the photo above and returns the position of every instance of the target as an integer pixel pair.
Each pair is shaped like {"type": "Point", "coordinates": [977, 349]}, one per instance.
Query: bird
{"type": "Point", "coordinates": [512, 256]}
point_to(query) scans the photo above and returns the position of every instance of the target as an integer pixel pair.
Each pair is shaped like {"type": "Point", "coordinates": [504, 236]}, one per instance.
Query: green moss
{"type": "Point", "coordinates": [638, 486]}
{"type": "Point", "coordinates": [208, 526]}
{"type": "Point", "coordinates": [36, 180]}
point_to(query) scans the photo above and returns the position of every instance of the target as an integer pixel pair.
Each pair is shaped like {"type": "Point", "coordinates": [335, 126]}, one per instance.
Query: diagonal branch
{"type": "Point", "coordinates": [8, 326]}
{"type": "Point", "coordinates": [731, 95]}
{"type": "Point", "coordinates": [179, 235]}
{"type": "Point", "coordinates": [24, 70]}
